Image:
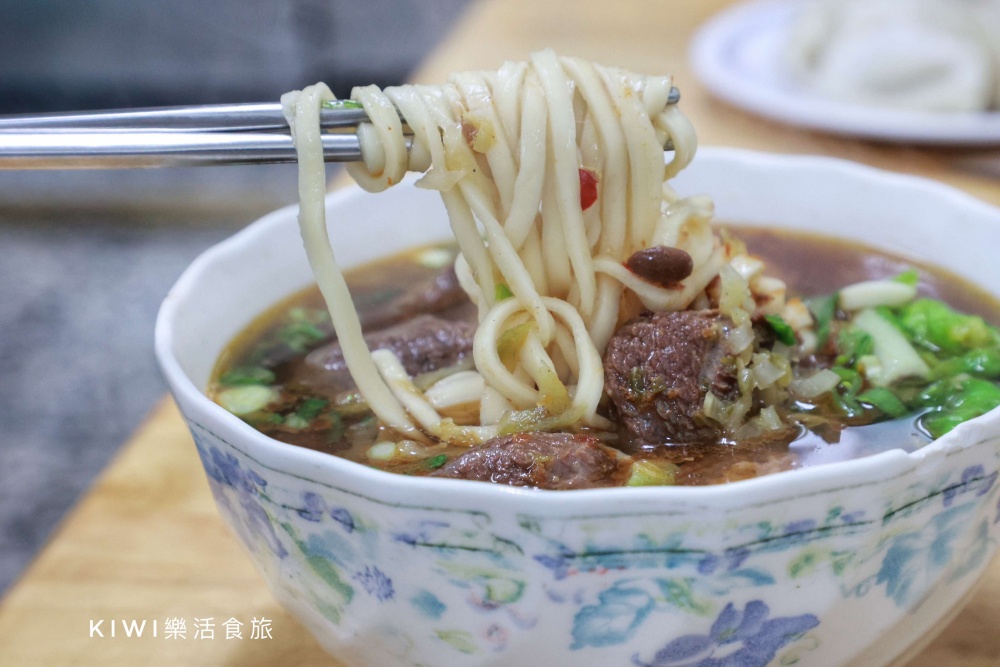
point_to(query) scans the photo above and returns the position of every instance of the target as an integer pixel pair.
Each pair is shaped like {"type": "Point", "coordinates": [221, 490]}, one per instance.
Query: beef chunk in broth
{"type": "Point", "coordinates": [541, 460]}
{"type": "Point", "coordinates": [423, 344]}
{"type": "Point", "coordinates": [657, 371]}
{"type": "Point", "coordinates": [436, 294]}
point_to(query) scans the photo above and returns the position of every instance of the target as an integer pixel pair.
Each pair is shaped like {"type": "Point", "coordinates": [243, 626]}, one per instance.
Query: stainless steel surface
{"type": "Point", "coordinates": [103, 150]}
{"type": "Point", "coordinates": [252, 117]}
{"type": "Point", "coordinates": [174, 137]}
{"type": "Point", "coordinates": [127, 150]}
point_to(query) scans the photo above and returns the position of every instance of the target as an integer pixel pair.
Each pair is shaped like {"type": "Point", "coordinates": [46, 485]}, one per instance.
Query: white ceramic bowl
{"type": "Point", "coordinates": [848, 563]}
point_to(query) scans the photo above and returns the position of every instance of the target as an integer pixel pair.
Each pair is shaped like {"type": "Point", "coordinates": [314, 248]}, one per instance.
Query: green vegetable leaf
{"type": "Point", "coordinates": [982, 363]}
{"type": "Point", "coordinates": [908, 277]}
{"type": "Point", "coordinates": [936, 394]}
{"type": "Point", "coordinates": [975, 398]}
{"type": "Point", "coordinates": [782, 330]}
{"type": "Point", "coordinates": [932, 324]}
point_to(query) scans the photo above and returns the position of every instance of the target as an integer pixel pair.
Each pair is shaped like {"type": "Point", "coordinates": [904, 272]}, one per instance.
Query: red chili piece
{"type": "Point", "coordinates": [588, 188]}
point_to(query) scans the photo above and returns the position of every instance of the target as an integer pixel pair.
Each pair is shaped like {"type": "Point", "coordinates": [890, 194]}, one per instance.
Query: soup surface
{"type": "Point", "coordinates": [282, 376]}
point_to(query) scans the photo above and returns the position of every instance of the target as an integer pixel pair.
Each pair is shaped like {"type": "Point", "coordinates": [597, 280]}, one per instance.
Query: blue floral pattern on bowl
{"type": "Point", "coordinates": [746, 638]}
{"type": "Point", "coordinates": [720, 589]}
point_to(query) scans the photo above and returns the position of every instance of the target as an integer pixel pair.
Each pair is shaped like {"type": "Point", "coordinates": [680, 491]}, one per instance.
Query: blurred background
{"type": "Point", "coordinates": [87, 256]}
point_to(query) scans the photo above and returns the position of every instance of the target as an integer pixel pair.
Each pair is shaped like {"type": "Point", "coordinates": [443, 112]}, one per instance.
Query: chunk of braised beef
{"type": "Point", "coordinates": [658, 369]}
{"type": "Point", "coordinates": [433, 296]}
{"type": "Point", "coordinates": [423, 344]}
{"type": "Point", "coordinates": [541, 460]}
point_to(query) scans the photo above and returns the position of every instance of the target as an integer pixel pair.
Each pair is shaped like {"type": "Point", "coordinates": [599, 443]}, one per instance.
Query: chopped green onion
{"type": "Point", "coordinates": [247, 399]}
{"type": "Point", "coordinates": [890, 315]}
{"type": "Point", "coordinates": [341, 104]}
{"type": "Point", "coordinates": [817, 384]}
{"type": "Point", "coordinates": [350, 404]}
{"type": "Point", "coordinates": [436, 257]}
{"type": "Point", "coordinates": [847, 405]}
{"type": "Point", "coordinates": [261, 419]}
{"type": "Point", "coordinates": [908, 277]}
{"type": "Point", "coordinates": [382, 451]}
{"type": "Point", "coordinates": [852, 345]}
{"type": "Point", "coordinates": [642, 388]}
{"type": "Point", "coordinates": [637, 383]}
{"type": "Point", "coordinates": [510, 341]}
{"type": "Point", "coordinates": [300, 336]}
{"type": "Point", "coordinates": [520, 421]}
{"type": "Point", "coordinates": [652, 473]}
{"type": "Point", "coordinates": [246, 375]}
{"type": "Point", "coordinates": [824, 309]}
{"type": "Point", "coordinates": [435, 462]}
{"type": "Point", "coordinates": [782, 330]}
{"type": "Point", "coordinates": [502, 291]}
{"type": "Point", "coordinates": [872, 293]}
{"type": "Point", "coordinates": [336, 430]}
{"type": "Point", "coordinates": [845, 397]}
{"type": "Point", "coordinates": [850, 380]}
{"type": "Point", "coordinates": [311, 407]}
{"type": "Point", "coordinates": [297, 422]}
{"type": "Point", "coordinates": [303, 314]}
{"type": "Point", "coordinates": [897, 358]}
{"type": "Point", "coordinates": [883, 400]}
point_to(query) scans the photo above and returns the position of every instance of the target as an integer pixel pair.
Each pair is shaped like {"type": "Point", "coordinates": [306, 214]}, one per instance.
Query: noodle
{"type": "Point", "coordinates": [507, 150]}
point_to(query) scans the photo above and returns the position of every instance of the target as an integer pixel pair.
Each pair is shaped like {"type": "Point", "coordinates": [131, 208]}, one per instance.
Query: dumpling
{"type": "Point", "coordinates": [925, 55]}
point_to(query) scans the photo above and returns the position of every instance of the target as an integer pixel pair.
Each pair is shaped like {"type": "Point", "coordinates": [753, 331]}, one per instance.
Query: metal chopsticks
{"type": "Point", "coordinates": [121, 150]}
{"type": "Point", "coordinates": [253, 117]}
{"type": "Point", "coordinates": [170, 137]}
{"type": "Point", "coordinates": [174, 136]}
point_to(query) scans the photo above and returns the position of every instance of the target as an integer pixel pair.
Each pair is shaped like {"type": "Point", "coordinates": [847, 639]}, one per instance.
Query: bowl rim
{"type": "Point", "coordinates": [764, 489]}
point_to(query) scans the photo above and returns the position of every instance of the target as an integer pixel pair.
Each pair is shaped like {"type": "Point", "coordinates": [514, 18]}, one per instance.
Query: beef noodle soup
{"type": "Point", "coordinates": [285, 375]}
{"type": "Point", "coordinates": [591, 327]}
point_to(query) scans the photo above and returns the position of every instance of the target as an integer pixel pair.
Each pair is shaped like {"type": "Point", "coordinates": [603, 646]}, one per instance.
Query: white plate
{"type": "Point", "coordinates": [738, 55]}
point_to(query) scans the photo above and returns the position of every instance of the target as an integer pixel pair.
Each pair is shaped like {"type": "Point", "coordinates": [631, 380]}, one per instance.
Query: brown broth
{"type": "Point", "coordinates": [814, 264]}
{"type": "Point", "coordinates": [810, 264]}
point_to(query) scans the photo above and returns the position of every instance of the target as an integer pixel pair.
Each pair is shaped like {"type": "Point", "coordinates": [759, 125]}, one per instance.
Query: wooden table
{"type": "Point", "coordinates": [146, 543]}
